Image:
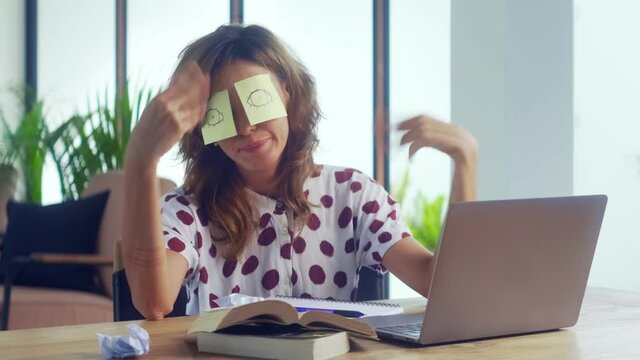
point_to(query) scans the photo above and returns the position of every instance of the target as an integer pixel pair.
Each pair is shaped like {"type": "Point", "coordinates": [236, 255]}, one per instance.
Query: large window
{"type": "Point", "coordinates": [76, 63]}
{"type": "Point", "coordinates": [334, 40]}
{"type": "Point", "coordinates": [419, 84]}
{"type": "Point", "coordinates": [157, 32]}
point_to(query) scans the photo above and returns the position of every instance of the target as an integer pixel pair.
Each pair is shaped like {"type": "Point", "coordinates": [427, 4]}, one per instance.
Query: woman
{"type": "Point", "coordinates": [255, 214]}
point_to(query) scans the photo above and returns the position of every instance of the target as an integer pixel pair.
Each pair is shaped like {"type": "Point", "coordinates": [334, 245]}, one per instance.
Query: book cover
{"type": "Point", "coordinates": [282, 343]}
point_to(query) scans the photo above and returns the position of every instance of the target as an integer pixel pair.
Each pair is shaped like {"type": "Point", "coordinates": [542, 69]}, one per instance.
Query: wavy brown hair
{"type": "Point", "coordinates": [211, 175]}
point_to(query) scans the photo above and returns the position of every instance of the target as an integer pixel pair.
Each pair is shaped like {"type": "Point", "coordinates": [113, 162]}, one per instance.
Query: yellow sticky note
{"type": "Point", "coordinates": [260, 99]}
{"type": "Point", "coordinates": [219, 123]}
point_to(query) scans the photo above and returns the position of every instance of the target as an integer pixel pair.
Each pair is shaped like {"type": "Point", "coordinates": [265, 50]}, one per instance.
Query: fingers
{"type": "Point", "coordinates": [417, 121]}
{"type": "Point", "coordinates": [189, 89]}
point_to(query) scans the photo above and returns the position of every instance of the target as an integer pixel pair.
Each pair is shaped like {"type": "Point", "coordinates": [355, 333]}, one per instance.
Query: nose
{"type": "Point", "coordinates": [243, 126]}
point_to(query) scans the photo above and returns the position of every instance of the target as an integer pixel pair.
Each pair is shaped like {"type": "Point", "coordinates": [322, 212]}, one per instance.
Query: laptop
{"type": "Point", "coordinates": [503, 268]}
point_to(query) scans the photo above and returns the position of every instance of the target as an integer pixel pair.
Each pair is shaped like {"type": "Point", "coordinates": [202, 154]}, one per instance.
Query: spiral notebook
{"type": "Point", "coordinates": [368, 308]}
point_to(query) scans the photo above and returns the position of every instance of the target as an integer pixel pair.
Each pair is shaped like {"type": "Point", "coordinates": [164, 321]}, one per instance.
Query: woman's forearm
{"type": "Point", "coordinates": [464, 186]}
{"type": "Point", "coordinates": [144, 255]}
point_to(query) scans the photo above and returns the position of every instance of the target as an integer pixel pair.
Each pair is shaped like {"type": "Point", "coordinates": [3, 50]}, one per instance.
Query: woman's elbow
{"type": "Point", "coordinates": [153, 309]}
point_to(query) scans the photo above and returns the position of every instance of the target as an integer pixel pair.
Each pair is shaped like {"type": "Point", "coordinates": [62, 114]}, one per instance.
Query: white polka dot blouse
{"type": "Point", "coordinates": [353, 223]}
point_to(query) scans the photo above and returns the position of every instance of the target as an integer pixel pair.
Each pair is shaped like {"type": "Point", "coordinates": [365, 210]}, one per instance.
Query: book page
{"type": "Point", "coordinates": [271, 311]}
{"type": "Point", "coordinates": [323, 320]}
{"type": "Point", "coordinates": [368, 308]}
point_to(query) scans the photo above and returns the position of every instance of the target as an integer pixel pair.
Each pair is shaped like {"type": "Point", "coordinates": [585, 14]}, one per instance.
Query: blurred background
{"type": "Point", "coordinates": [547, 87]}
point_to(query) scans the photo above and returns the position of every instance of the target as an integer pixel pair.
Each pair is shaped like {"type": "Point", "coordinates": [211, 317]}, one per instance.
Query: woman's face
{"type": "Point", "coordinates": [256, 148]}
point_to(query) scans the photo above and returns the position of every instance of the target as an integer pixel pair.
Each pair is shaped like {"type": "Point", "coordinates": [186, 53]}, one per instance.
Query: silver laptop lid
{"type": "Point", "coordinates": [511, 266]}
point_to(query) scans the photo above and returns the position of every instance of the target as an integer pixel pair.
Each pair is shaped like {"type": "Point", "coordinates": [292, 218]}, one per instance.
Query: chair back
{"type": "Point", "coordinates": [111, 225]}
{"type": "Point", "coordinates": [123, 308]}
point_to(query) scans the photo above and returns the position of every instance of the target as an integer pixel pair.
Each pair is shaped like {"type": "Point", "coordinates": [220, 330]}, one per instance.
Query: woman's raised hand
{"type": "Point", "coordinates": [172, 113]}
{"type": "Point", "coordinates": [451, 139]}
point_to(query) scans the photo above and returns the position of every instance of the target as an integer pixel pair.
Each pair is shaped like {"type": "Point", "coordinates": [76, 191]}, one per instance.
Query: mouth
{"type": "Point", "coordinates": [254, 146]}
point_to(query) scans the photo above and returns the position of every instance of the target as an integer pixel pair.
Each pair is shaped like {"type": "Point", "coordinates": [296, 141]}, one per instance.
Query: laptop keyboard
{"type": "Point", "coordinates": [409, 330]}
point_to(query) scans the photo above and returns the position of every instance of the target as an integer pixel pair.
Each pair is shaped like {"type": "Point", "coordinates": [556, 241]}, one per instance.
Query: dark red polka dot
{"type": "Point", "coordinates": [390, 200]}
{"type": "Point", "coordinates": [371, 207]}
{"type": "Point", "coordinates": [198, 240]}
{"type": "Point", "coordinates": [367, 246]}
{"type": "Point", "coordinates": [314, 222]}
{"type": "Point", "coordinates": [384, 237]}
{"type": "Point", "coordinates": [250, 265]}
{"type": "Point", "coordinates": [345, 217]}
{"type": "Point", "coordinates": [212, 301]}
{"type": "Point", "coordinates": [204, 221]}
{"type": "Point", "coordinates": [169, 197]}
{"type": "Point", "coordinates": [349, 246]}
{"type": "Point", "coordinates": [342, 176]}
{"type": "Point", "coordinates": [299, 245]}
{"type": "Point", "coordinates": [375, 226]}
{"type": "Point", "coordinates": [189, 272]}
{"type": "Point", "coordinates": [204, 275]}
{"type": "Point", "coordinates": [306, 296]}
{"type": "Point", "coordinates": [355, 186]}
{"type": "Point", "coordinates": [316, 274]}
{"type": "Point", "coordinates": [176, 244]}
{"type": "Point", "coordinates": [183, 200]}
{"type": "Point", "coordinates": [405, 234]}
{"type": "Point", "coordinates": [270, 279]}
{"type": "Point", "coordinates": [354, 294]}
{"type": "Point", "coordinates": [285, 251]}
{"type": "Point", "coordinates": [184, 217]}
{"type": "Point", "coordinates": [326, 201]}
{"type": "Point", "coordinates": [376, 256]}
{"type": "Point", "coordinates": [392, 215]}
{"type": "Point", "coordinates": [326, 248]}
{"type": "Point", "coordinates": [229, 267]}
{"type": "Point", "coordinates": [213, 251]}
{"type": "Point", "coordinates": [267, 236]}
{"type": "Point", "coordinates": [340, 279]}
{"type": "Point", "coordinates": [236, 289]}
{"type": "Point", "coordinates": [264, 220]}
{"type": "Point", "coordinates": [294, 277]}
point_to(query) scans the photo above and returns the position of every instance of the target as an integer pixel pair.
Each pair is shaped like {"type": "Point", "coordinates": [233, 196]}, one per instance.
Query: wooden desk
{"type": "Point", "coordinates": [609, 328]}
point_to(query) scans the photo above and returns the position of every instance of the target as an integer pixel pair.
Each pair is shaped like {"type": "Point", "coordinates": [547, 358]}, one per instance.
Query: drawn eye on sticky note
{"type": "Point", "coordinates": [219, 123]}
{"type": "Point", "coordinates": [260, 99]}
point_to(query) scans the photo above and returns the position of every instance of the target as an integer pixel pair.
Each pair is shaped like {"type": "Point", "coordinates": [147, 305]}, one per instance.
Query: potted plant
{"type": "Point", "coordinates": [424, 217]}
{"type": "Point", "coordinates": [25, 148]}
{"type": "Point", "coordinates": [86, 145]}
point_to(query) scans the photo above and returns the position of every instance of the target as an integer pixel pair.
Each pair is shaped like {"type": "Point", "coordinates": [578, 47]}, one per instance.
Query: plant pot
{"type": "Point", "coordinates": [8, 183]}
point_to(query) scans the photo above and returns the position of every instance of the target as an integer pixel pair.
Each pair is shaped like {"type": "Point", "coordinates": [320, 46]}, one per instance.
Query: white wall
{"type": "Point", "coordinates": [511, 86]}
{"type": "Point", "coordinates": [607, 131]}
{"type": "Point", "coordinates": [12, 56]}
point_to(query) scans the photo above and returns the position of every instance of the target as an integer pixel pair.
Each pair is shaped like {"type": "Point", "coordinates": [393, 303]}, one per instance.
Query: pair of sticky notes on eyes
{"type": "Point", "coordinates": [260, 101]}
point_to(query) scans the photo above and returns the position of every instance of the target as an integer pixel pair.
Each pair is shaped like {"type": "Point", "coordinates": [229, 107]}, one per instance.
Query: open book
{"type": "Point", "coordinates": [276, 312]}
